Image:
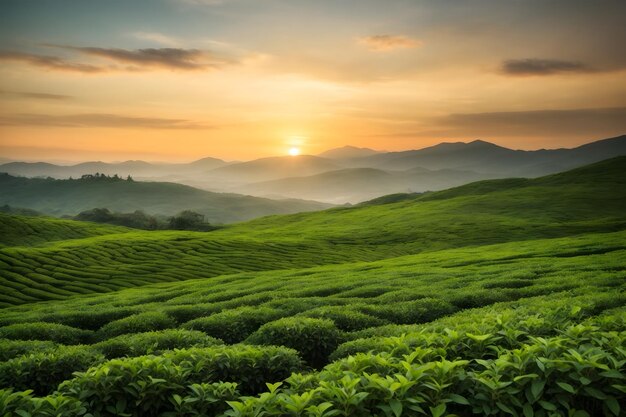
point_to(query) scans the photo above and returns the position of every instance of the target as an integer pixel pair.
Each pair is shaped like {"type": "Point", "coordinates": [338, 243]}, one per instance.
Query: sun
{"type": "Point", "coordinates": [294, 151]}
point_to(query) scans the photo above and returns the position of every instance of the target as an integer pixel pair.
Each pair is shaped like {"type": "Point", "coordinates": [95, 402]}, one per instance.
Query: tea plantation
{"type": "Point", "coordinates": [500, 298]}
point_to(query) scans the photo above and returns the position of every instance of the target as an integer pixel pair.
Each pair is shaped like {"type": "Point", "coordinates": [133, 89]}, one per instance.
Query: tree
{"type": "Point", "coordinates": [187, 220]}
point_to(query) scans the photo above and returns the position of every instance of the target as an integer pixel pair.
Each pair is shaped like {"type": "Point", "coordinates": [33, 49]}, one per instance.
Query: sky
{"type": "Point", "coordinates": [178, 80]}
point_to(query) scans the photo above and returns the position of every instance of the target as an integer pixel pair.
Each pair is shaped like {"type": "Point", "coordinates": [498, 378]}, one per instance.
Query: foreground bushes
{"type": "Point", "coordinates": [315, 339]}
{"type": "Point", "coordinates": [43, 372]}
{"type": "Point", "coordinates": [46, 331]}
{"type": "Point", "coordinates": [150, 385]}
{"type": "Point", "coordinates": [154, 342]}
{"type": "Point", "coordinates": [580, 373]}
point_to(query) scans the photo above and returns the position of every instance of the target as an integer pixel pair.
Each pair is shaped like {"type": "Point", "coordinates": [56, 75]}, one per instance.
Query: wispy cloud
{"type": "Point", "coordinates": [170, 58]}
{"type": "Point", "coordinates": [381, 43]}
{"type": "Point", "coordinates": [50, 62]}
{"type": "Point", "coordinates": [98, 120]}
{"type": "Point", "coordinates": [34, 95]}
{"type": "Point", "coordinates": [175, 59]}
{"type": "Point", "coordinates": [533, 66]}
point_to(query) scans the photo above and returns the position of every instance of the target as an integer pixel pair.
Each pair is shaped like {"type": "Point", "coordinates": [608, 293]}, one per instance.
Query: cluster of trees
{"type": "Point", "coordinates": [99, 176]}
{"type": "Point", "coordinates": [185, 220]}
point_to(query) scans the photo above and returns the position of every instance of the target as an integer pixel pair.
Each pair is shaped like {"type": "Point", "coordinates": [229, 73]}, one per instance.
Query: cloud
{"type": "Point", "coordinates": [532, 66]}
{"type": "Point", "coordinates": [97, 120]}
{"type": "Point", "coordinates": [49, 62]}
{"type": "Point", "coordinates": [381, 43]}
{"type": "Point", "coordinates": [35, 95]}
{"type": "Point", "coordinates": [170, 58]}
{"type": "Point", "coordinates": [176, 59]}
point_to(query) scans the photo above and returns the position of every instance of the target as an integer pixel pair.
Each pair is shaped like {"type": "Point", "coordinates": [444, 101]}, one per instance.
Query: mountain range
{"type": "Point", "coordinates": [69, 197]}
{"type": "Point", "coordinates": [348, 174]}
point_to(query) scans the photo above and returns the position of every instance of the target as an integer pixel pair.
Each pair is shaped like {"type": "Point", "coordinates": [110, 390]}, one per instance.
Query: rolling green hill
{"type": "Point", "coordinates": [19, 230]}
{"type": "Point", "coordinates": [496, 298]}
{"type": "Point", "coordinates": [448, 329]}
{"type": "Point", "coordinates": [70, 197]}
{"type": "Point", "coordinates": [590, 199]}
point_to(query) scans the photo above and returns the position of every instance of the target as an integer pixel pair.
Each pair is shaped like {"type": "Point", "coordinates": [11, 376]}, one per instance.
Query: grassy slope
{"type": "Point", "coordinates": [59, 197]}
{"type": "Point", "coordinates": [391, 290]}
{"type": "Point", "coordinates": [18, 230]}
{"type": "Point", "coordinates": [590, 199]}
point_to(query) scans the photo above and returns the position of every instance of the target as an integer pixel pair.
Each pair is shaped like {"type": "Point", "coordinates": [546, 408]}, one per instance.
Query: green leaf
{"type": "Point", "coordinates": [459, 399]}
{"type": "Point", "coordinates": [612, 405]}
{"type": "Point", "coordinates": [396, 407]}
{"type": "Point", "coordinates": [567, 387]}
{"type": "Point", "coordinates": [537, 387]}
{"type": "Point", "coordinates": [547, 405]}
{"type": "Point", "coordinates": [528, 410]}
{"type": "Point", "coordinates": [439, 410]}
{"type": "Point", "coordinates": [505, 408]}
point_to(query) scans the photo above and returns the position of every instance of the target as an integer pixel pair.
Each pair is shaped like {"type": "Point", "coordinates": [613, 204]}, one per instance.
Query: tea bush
{"type": "Point", "coordinates": [137, 323]}
{"type": "Point", "coordinates": [149, 385]}
{"type": "Point", "coordinates": [345, 318]}
{"type": "Point", "coordinates": [315, 339]}
{"type": "Point", "coordinates": [89, 319]}
{"type": "Point", "coordinates": [10, 349]}
{"type": "Point", "coordinates": [46, 331]}
{"type": "Point", "coordinates": [233, 326]}
{"type": "Point", "coordinates": [23, 404]}
{"type": "Point", "coordinates": [44, 371]}
{"type": "Point", "coordinates": [139, 344]}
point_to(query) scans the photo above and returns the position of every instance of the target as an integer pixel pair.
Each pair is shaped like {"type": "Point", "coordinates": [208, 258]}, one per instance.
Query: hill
{"type": "Point", "coordinates": [70, 197]}
{"type": "Point", "coordinates": [18, 230]}
{"type": "Point", "coordinates": [587, 200]}
{"type": "Point", "coordinates": [275, 167]}
{"type": "Point", "coordinates": [542, 317]}
{"type": "Point", "coordinates": [347, 152]}
{"type": "Point", "coordinates": [488, 158]}
{"type": "Point", "coordinates": [137, 169]}
{"type": "Point", "coordinates": [355, 185]}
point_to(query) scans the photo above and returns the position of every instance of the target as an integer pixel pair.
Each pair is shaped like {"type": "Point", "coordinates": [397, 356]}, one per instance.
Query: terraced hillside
{"type": "Point", "coordinates": [28, 230]}
{"type": "Point", "coordinates": [433, 334]}
{"type": "Point", "coordinates": [589, 199]}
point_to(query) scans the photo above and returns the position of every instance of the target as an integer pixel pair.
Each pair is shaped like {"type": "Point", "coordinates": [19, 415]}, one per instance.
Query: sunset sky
{"type": "Point", "coordinates": [177, 80]}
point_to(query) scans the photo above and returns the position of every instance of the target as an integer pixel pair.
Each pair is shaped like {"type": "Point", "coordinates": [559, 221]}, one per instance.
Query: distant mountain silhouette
{"type": "Point", "coordinates": [275, 167]}
{"type": "Point", "coordinates": [70, 197]}
{"type": "Point", "coordinates": [347, 152]}
{"type": "Point", "coordinates": [354, 185]}
{"type": "Point", "coordinates": [133, 168]}
{"type": "Point", "coordinates": [348, 174]}
{"type": "Point", "coordinates": [488, 158]}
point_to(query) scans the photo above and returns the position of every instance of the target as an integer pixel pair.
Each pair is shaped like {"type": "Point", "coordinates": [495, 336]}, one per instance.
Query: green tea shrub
{"type": "Point", "coordinates": [152, 385]}
{"type": "Point", "coordinates": [187, 312]}
{"type": "Point", "coordinates": [59, 333]}
{"type": "Point", "coordinates": [43, 372]}
{"type": "Point", "coordinates": [89, 319]}
{"type": "Point", "coordinates": [10, 349]}
{"type": "Point", "coordinates": [23, 404]}
{"type": "Point", "coordinates": [137, 323]}
{"type": "Point", "coordinates": [477, 298]}
{"type": "Point", "coordinates": [233, 326]}
{"type": "Point", "coordinates": [292, 306]}
{"type": "Point", "coordinates": [408, 312]}
{"type": "Point", "coordinates": [315, 339]}
{"type": "Point", "coordinates": [154, 342]}
{"type": "Point", "coordinates": [579, 373]}
{"type": "Point", "coordinates": [345, 318]}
